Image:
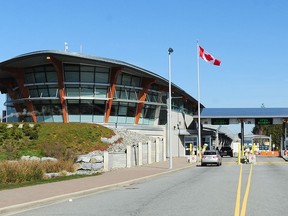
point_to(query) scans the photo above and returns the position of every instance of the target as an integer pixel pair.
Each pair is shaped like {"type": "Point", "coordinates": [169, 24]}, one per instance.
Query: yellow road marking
{"type": "Point", "coordinates": [244, 204]}
{"type": "Point", "coordinates": [237, 206]}
{"type": "Point", "coordinates": [238, 196]}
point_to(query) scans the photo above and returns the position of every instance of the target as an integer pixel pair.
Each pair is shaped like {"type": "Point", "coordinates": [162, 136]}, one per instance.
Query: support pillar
{"type": "Point", "coordinates": [140, 154]}
{"type": "Point", "coordinates": [128, 156]}
{"type": "Point", "coordinates": [242, 137]}
{"type": "Point", "coordinates": [157, 150]}
{"type": "Point", "coordinates": [149, 152]}
{"type": "Point", "coordinates": [106, 162]}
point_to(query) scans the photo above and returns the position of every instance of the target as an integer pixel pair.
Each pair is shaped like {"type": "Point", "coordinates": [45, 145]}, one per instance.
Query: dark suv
{"type": "Point", "coordinates": [226, 151]}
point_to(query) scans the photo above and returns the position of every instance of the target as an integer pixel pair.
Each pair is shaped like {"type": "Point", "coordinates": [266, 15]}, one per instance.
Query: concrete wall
{"type": "Point", "coordinates": [136, 155]}
{"type": "Point", "coordinates": [179, 121]}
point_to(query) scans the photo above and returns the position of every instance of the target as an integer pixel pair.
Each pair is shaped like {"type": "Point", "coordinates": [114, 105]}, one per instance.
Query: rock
{"type": "Point", "coordinates": [25, 157]}
{"type": "Point", "coordinates": [48, 159]}
{"type": "Point", "coordinates": [90, 166]}
{"type": "Point", "coordinates": [83, 158]}
{"type": "Point", "coordinates": [34, 158]}
{"type": "Point", "coordinates": [97, 159]}
{"type": "Point", "coordinates": [97, 166]}
{"type": "Point", "coordinates": [110, 140]}
{"type": "Point", "coordinates": [52, 175]}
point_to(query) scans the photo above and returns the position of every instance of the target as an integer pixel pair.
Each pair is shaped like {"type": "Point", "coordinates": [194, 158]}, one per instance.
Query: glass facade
{"type": "Point", "coordinates": [86, 90]}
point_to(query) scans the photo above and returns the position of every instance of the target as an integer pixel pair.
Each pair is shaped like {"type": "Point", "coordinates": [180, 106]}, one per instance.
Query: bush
{"type": "Point", "coordinates": [18, 172]}
{"type": "Point", "coordinates": [27, 171]}
{"type": "Point", "coordinates": [10, 149]}
{"type": "Point", "coordinates": [58, 151]}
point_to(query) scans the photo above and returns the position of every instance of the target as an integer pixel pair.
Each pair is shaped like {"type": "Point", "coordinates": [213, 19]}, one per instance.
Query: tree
{"type": "Point", "coordinates": [274, 130]}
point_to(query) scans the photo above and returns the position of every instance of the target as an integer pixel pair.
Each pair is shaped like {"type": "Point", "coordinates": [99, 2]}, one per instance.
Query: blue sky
{"type": "Point", "coordinates": [250, 37]}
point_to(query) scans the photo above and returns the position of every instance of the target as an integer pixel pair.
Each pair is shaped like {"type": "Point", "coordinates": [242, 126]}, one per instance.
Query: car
{"type": "Point", "coordinates": [211, 157]}
{"type": "Point", "coordinates": [226, 151]}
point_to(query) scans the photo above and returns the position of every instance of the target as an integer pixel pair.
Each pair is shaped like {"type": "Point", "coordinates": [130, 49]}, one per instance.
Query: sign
{"type": "Point", "coordinates": [220, 121]}
{"type": "Point", "coordinates": [263, 121]}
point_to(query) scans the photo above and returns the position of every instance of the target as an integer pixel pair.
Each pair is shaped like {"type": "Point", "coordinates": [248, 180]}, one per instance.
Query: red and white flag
{"type": "Point", "coordinates": [208, 57]}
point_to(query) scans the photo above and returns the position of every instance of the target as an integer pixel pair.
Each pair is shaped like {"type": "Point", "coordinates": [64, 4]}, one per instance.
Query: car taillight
{"type": "Point", "coordinates": [215, 156]}
{"type": "Point", "coordinates": [203, 156]}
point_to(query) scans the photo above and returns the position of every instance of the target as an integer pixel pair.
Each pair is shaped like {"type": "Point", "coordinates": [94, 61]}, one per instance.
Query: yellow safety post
{"type": "Point", "coordinates": [204, 147]}
{"type": "Point", "coordinates": [253, 149]}
{"type": "Point", "coordinates": [239, 153]}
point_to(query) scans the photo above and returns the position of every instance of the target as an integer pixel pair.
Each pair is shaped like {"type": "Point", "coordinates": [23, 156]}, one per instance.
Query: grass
{"type": "Point", "coordinates": [59, 140]}
{"type": "Point", "coordinates": [43, 181]}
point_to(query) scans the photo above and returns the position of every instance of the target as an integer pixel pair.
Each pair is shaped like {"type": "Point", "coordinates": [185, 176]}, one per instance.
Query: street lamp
{"type": "Point", "coordinates": [170, 50]}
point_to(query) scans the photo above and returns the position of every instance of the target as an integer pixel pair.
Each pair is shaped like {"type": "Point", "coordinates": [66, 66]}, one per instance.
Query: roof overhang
{"type": "Point", "coordinates": [248, 115]}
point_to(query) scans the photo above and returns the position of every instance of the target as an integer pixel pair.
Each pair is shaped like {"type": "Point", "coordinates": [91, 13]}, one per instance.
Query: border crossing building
{"type": "Point", "coordinates": [60, 86]}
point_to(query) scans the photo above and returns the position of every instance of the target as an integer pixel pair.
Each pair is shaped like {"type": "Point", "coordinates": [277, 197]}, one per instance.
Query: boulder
{"type": "Point", "coordinates": [97, 159]}
{"type": "Point", "coordinates": [83, 158]}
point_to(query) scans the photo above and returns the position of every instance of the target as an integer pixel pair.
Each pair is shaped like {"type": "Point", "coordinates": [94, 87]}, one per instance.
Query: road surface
{"type": "Point", "coordinates": [230, 189]}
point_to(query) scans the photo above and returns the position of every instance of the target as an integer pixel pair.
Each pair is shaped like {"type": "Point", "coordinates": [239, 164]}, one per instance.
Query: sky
{"type": "Point", "coordinates": [250, 37]}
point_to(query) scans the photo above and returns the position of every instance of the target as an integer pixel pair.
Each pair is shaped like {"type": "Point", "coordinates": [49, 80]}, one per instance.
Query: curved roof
{"type": "Point", "coordinates": [40, 58]}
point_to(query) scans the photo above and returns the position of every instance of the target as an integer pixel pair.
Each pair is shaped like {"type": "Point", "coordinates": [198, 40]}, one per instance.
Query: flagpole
{"type": "Point", "coordinates": [170, 50]}
{"type": "Point", "coordinates": [199, 111]}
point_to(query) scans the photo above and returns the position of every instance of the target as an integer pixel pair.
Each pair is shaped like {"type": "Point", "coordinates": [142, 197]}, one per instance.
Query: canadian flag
{"type": "Point", "coordinates": [208, 57]}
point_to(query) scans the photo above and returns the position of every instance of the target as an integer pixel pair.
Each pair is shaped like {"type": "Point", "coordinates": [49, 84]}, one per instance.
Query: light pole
{"type": "Point", "coordinates": [170, 50]}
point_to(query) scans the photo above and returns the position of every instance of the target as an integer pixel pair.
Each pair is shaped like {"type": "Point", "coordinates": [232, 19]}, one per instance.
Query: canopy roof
{"type": "Point", "coordinates": [247, 114]}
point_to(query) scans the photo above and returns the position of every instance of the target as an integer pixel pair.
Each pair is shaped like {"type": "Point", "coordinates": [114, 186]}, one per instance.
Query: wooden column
{"type": "Point", "coordinates": [142, 97]}
{"type": "Point", "coordinates": [7, 84]}
{"type": "Point", "coordinates": [113, 79]}
{"type": "Point", "coordinates": [18, 74]}
{"type": "Point", "coordinates": [60, 76]}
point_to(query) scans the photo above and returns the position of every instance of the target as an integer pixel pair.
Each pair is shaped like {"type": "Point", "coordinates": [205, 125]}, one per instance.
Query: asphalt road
{"type": "Point", "coordinates": [227, 190]}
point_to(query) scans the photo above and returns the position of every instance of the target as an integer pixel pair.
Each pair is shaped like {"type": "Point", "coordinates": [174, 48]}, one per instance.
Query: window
{"type": "Point", "coordinates": [99, 107]}
{"type": "Point", "coordinates": [126, 79]}
{"type": "Point", "coordinates": [87, 91]}
{"type": "Point", "coordinates": [87, 77]}
{"type": "Point", "coordinates": [51, 76]}
{"type": "Point", "coordinates": [73, 107]}
{"type": "Point", "coordinates": [72, 91]}
{"type": "Point", "coordinates": [148, 112]}
{"type": "Point", "coordinates": [131, 110]}
{"type": "Point", "coordinates": [86, 107]}
{"type": "Point", "coordinates": [71, 73]}
{"type": "Point", "coordinates": [29, 78]}
{"type": "Point", "coordinates": [122, 111]}
{"type": "Point", "coordinates": [101, 92]}
{"type": "Point", "coordinates": [40, 74]}
{"type": "Point", "coordinates": [43, 91]}
{"type": "Point", "coordinates": [87, 74]}
{"type": "Point", "coordinates": [53, 91]}
{"type": "Point", "coordinates": [136, 81]}
{"type": "Point", "coordinates": [33, 92]}
{"type": "Point", "coordinates": [101, 77]}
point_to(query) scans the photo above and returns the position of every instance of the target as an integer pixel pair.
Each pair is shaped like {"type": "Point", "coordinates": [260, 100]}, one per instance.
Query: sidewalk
{"type": "Point", "coordinates": [27, 197]}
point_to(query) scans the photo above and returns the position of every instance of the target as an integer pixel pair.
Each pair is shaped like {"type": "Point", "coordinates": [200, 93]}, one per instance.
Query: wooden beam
{"type": "Point", "coordinates": [113, 79]}
{"type": "Point", "coordinates": [146, 83]}
{"type": "Point", "coordinates": [60, 76]}
{"type": "Point", "coordinates": [18, 74]}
